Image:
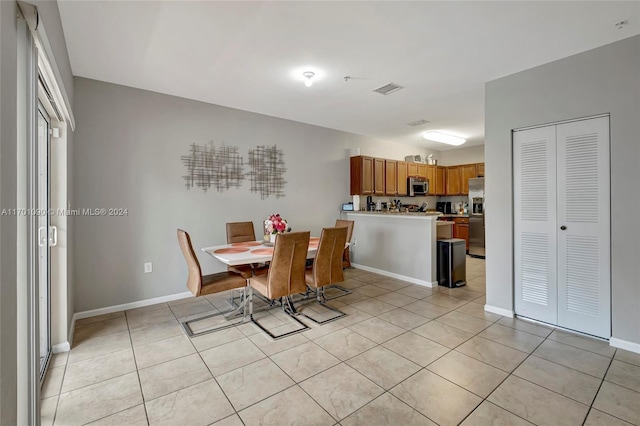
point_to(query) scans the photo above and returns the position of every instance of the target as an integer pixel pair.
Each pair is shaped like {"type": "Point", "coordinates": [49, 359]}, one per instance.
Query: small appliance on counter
{"type": "Point", "coordinates": [444, 207]}
{"type": "Point", "coordinates": [370, 204]}
{"type": "Point", "coordinates": [347, 207]}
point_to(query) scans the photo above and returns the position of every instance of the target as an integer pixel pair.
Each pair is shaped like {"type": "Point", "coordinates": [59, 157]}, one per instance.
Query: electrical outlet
{"type": "Point", "coordinates": [148, 267]}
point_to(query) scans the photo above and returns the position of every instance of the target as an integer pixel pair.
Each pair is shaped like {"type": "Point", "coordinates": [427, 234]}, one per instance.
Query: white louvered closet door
{"type": "Point", "coordinates": [562, 225]}
{"type": "Point", "coordinates": [535, 249]}
{"type": "Point", "coordinates": [583, 226]}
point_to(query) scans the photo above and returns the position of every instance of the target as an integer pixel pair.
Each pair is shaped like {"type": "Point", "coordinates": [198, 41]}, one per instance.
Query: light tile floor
{"type": "Point", "coordinates": [405, 355]}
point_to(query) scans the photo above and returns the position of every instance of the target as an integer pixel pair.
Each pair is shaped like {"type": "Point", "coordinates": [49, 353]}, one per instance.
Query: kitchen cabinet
{"type": "Point", "coordinates": [412, 169]}
{"type": "Point", "coordinates": [467, 171]}
{"type": "Point", "coordinates": [378, 176]}
{"type": "Point", "coordinates": [401, 179]}
{"type": "Point", "coordinates": [390, 181]}
{"type": "Point", "coordinates": [361, 175]}
{"type": "Point", "coordinates": [431, 177]}
{"type": "Point", "coordinates": [441, 180]}
{"type": "Point", "coordinates": [461, 229]}
{"type": "Point", "coordinates": [480, 170]}
{"type": "Point", "coordinates": [453, 180]}
{"type": "Point", "coordinates": [422, 170]}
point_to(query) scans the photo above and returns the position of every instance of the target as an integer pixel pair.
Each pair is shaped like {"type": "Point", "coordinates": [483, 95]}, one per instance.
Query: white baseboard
{"type": "Point", "coordinates": [132, 305]}
{"type": "Point", "coordinates": [500, 311]}
{"type": "Point", "coordinates": [396, 276]}
{"type": "Point", "coordinates": [625, 344]}
{"type": "Point", "coordinates": [61, 347]}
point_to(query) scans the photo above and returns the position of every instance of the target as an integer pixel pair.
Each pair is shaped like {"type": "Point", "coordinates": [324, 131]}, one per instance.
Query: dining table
{"type": "Point", "coordinates": [249, 252]}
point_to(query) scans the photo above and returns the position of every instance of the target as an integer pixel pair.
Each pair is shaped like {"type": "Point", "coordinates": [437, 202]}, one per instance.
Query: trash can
{"type": "Point", "coordinates": [452, 262]}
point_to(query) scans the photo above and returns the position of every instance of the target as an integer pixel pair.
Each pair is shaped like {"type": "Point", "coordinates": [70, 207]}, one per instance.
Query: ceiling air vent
{"type": "Point", "coordinates": [418, 122]}
{"type": "Point", "coordinates": [388, 88]}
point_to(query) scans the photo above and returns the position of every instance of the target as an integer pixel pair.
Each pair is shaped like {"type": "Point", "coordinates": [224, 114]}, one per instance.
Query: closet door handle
{"type": "Point", "coordinates": [563, 228]}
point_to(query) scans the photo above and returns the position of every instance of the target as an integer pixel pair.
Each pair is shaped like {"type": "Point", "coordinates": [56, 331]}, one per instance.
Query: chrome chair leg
{"type": "Point", "coordinates": [322, 301]}
{"type": "Point", "coordinates": [288, 308]}
{"type": "Point", "coordinates": [230, 316]}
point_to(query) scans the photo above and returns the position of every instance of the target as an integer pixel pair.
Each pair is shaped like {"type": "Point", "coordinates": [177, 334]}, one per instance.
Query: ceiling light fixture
{"type": "Point", "coordinates": [308, 76]}
{"type": "Point", "coordinates": [443, 138]}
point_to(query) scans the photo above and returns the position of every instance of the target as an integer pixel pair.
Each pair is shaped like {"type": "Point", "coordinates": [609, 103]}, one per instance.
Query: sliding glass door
{"type": "Point", "coordinates": [46, 237]}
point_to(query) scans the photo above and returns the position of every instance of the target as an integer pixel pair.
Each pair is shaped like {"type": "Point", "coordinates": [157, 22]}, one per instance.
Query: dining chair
{"type": "Point", "coordinates": [327, 268]}
{"type": "Point", "coordinates": [242, 232]}
{"type": "Point", "coordinates": [346, 258]}
{"type": "Point", "coordinates": [200, 285]}
{"type": "Point", "coordinates": [285, 278]}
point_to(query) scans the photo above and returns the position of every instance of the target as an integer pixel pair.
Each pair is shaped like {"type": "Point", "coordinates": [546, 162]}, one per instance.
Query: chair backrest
{"type": "Point", "coordinates": [194, 281]}
{"type": "Point", "coordinates": [239, 232]}
{"type": "Point", "coordinates": [327, 265]}
{"type": "Point", "coordinates": [346, 224]}
{"type": "Point", "coordinates": [286, 272]}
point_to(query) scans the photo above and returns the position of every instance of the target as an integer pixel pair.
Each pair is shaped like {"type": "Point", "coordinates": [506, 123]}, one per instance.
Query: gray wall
{"type": "Point", "coordinates": [603, 80]}
{"type": "Point", "coordinates": [127, 154]}
{"type": "Point", "coordinates": [8, 224]}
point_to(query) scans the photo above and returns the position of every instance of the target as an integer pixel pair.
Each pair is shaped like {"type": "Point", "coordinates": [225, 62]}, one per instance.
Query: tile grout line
{"type": "Point", "coordinates": [135, 361]}
{"type": "Point", "coordinates": [500, 384]}
{"type": "Point", "coordinates": [598, 391]}
{"type": "Point", "coordinates": [213, 377]}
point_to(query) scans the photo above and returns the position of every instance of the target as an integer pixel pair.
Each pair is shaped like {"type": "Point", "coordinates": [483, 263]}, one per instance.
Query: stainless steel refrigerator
{"type": "Point", "coordinates": [476, 217]}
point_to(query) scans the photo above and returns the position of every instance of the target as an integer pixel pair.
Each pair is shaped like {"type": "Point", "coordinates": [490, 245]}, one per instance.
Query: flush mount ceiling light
{"type": "Point", "coordinates": [443, 138]}
{"type": "Point", "coordinates": [308, 78]}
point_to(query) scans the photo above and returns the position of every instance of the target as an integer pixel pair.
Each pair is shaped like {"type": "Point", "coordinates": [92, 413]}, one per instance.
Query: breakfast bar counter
{"type": "Point", "coordinates": [398, 245]}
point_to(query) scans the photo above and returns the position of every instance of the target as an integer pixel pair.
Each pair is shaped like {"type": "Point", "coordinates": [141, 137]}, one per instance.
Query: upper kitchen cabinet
{"type": "Point", "coordinates": [436, 177]}
{"type": "Point", "coordinates": [431, 177]}
{"type": "Point", "coordinates": [362, 175]}
{"type": "Point", "coordinates": [402, 178]}
{"type": "Point", "coordinates": [378, 176]}
{"type": "Point", "coordinates": [423, 171]}
{"type": "Point", "coordinates": [453, 180]}
{"type": "Point", "coordinates": [391, 177]}
{"type": "Point", "coordinates": [480, 170]}
{"type": "Point", "coordinates": [467, 171]}
{"type": "Point", "coordinates": [441, 180]}
{"type": "Point", "coordinates": [412, 169]}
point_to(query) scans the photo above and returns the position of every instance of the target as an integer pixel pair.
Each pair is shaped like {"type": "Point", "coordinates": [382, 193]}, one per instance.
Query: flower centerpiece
{"type": "Point", "coordinates": [273, 226]}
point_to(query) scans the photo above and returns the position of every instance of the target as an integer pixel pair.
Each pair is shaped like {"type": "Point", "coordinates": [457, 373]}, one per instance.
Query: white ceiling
{"type": "Point", "coordinates": [242, 54]}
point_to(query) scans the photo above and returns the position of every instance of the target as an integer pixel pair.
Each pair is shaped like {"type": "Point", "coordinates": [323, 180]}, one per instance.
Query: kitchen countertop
{"type": "Point", "coordinates": [383, 213]}
{"type": "Point", "coordinates": [455, 215]}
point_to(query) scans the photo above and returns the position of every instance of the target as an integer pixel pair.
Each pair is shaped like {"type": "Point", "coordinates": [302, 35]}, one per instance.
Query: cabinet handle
{"type": "Point", "coordinates": [563, 227]}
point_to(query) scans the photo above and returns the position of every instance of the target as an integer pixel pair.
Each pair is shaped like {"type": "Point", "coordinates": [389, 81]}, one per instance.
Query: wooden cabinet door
{"type": "Point", "coordinates": [361, 175]}
{"type": "Point", "coordinates": [412, 169]}
{"type": "Point", "coordinates": [453, 180]}
{"type": "Point", "coordinates": [431, 176]}
{"type": "Point", "coordinates": [391, 183]}
{"type": "Point", "coordinates": [378, 176]}
{"type": "Point", "coordinates": [422, 170]}
{"type": "Point", "coordinates": [480, 170]}
{"type": "Point", "coordinates": [401, 178]}
{"type": "Point", "coordinates": [467, 171]}
{"type": "Point", "coordinates": [441, 180]}
{"type": "Point", "coordinates": [461, 230]}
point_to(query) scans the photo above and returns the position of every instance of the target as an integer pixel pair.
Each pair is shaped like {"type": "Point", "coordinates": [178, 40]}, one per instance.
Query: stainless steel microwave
{"type": "Point", "coordinates": [417, 186]}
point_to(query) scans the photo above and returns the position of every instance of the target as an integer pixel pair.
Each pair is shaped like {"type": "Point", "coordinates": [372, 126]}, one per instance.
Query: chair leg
{"type": "Point", "coordinates": [322, 301]}
{"type": "Point", "coordinates": [228, 316]}
{"type": "Point", "coordinates": [288, 308]}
